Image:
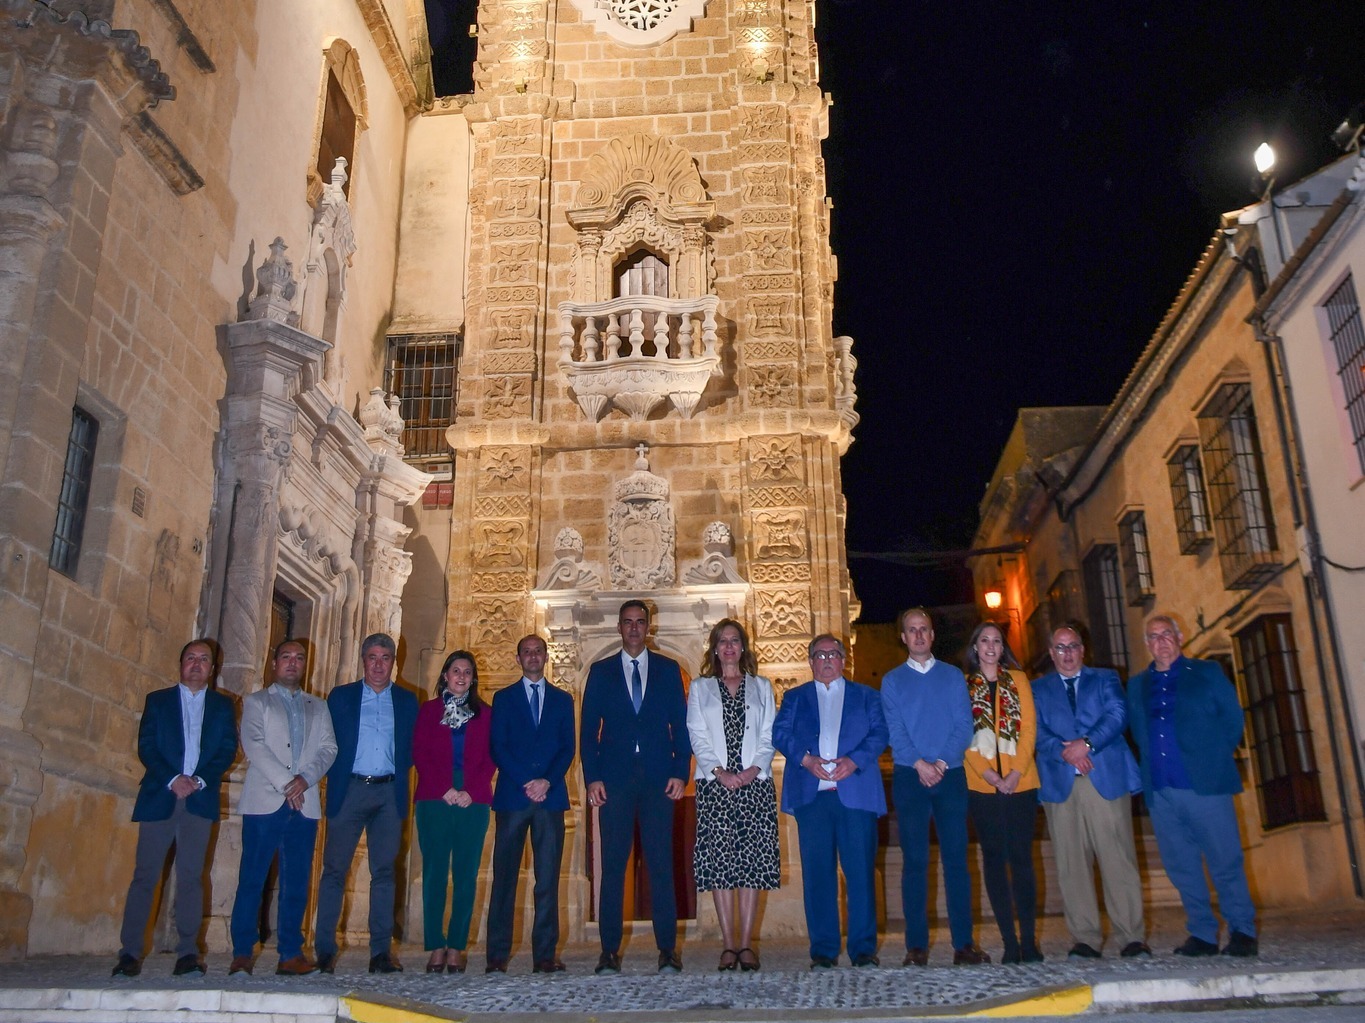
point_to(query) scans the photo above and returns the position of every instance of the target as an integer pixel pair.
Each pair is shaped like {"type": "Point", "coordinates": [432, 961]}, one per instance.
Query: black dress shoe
{"type": "Point", "coordinates": [548, 966]}
{"type": "Point", "coordinates": [385, 963]}
{"type": "Point", "coordinates": [1081, 950]}
{"type": "Point", "coordinates": [186, 965]}
{"type": "Point", "coordinates": [1030, 954]}
{"type": "Point", "coordinates": [608, 962]}
{"type": "Point", "coordinates": [823, 962]}
{"type": "Point", "coordinates": [916, 957]}
{"type": "Point", "coordinates": [1196, 948]}
{"type": "Point", "coordinates": [1011, 955]}
{"type": "Point", "coordinates": [866, 959]}
{"type": "Point", "coordinates": [1242, 945]}
{"type": "Point", "coordinates": [1136, 950]}
{"type": "Point", "coordinates": [127, 966]}
{"type": "Point", "coordinates": [495, 966]}
{"type": "Point", "coordinates": [670, 961]}
{"type": "Point", "coordinates": [327, 962]}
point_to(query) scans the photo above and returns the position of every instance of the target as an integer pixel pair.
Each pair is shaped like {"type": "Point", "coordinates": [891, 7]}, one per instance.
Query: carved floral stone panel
{"type": "Point", "coordinates": [783, 612]}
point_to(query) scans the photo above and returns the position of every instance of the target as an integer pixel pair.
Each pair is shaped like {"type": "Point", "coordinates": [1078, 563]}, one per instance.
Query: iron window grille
{"type": "Point", "coordinates": [1348, 340]}
{"type": "Point", "coordinates": [1137, 558]}
{"type": "Point", "coordinates": [423, 370]}
{"type": "Point", "coordinates": [1104, 598]}
{"type": "Point", "coordinates": [1239, 499]}
{"type": "Point", "coordinates": [1287, 782]}
{"type": "Point", "coordinates": [77, 474]}
{"type": "Point", "coordinates": [1190, 499]}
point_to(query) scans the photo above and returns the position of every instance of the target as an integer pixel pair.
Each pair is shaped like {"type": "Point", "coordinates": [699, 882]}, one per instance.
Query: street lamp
{"type": "Point", "coordinates": [994, 598]}
{"type": "Point", "coordinates": [1265, 159]}
{"type": "Point", "coordinates": [1265, 167]}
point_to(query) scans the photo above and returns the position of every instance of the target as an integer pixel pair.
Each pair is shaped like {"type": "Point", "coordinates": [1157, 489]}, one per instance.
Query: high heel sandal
{"type": "Point", "coordinates": [437, 963]}
{"type": "Point", "coordinates": [748, 965]}
{"type": "Point", "coordinates": [729, 959]}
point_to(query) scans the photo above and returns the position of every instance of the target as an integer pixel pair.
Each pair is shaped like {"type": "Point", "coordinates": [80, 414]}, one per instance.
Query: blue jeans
{"type": "Point", "coordinates": [946, 805]}
{"type": "Point", "coordinates": [828, 833]}
{"type": "Point", "coordinates": [1194, 831]}
{"type": "Point", "coordinates": [293, 836]}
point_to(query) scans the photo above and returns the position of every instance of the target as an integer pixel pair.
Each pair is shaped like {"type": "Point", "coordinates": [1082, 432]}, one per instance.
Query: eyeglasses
{"type": "Point", "coordinates": [1066, 648]}
{"type": "Point", "coordinates": [827, 655]}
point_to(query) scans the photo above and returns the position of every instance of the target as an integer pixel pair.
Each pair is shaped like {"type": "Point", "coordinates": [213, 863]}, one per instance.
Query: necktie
{"type": "Point", "coordinates": [1071, 693]}
{"type": "Point", "coordinates": [637, 688]}
{"type": "Point", "coordinates": [535, 703]}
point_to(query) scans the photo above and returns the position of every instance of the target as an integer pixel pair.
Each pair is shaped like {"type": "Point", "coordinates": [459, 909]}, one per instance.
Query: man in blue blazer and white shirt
{"type": "Point", "coordinates": [832, 731]}
{"type": "Point", "coordinates": [367, 791]}
{"type": "Point", "coordinates": [1088, 775]}
{"type": "Point", "coordinates": [533, 745]}
{"type": "Point", "coordinates": [1187, 723]}
{"type": "Point", "coordinates": [186, 740]}
{"type": "Point", "coordinates": [636, 758]}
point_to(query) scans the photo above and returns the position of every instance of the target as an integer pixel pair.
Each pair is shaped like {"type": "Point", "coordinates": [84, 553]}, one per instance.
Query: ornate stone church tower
{"type": "Point", "coordinates": [652, 402]}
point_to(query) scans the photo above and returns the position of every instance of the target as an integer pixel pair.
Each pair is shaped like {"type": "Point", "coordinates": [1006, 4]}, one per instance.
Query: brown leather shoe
{"type": "Point", "coordinates": [548, 966]}
{"type": "Point", "coordinates": [916, 957]}
{"type": "Point", "coordinates": [241, 964]}
{"type": "Point", "coordinates": [970, 955]}
{"type": "Point", "coordinates": [297, 966]}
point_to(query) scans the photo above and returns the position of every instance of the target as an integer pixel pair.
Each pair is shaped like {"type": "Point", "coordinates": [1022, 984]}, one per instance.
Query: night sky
{"type": "Point", "coordinates": [1020, 189]}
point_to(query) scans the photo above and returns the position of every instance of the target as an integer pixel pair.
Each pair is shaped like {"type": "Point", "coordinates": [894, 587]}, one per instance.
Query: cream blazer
{"type": "Point", "coordinates": [265, 741]}
{"type": "Point", "coordinates": [706, 729]}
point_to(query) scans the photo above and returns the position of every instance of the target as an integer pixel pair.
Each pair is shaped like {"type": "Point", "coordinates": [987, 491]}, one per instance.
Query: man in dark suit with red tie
{"type": "Point", "coordinates": [533, 746]}
{"type": "Point", "coordinates": [636, 759]}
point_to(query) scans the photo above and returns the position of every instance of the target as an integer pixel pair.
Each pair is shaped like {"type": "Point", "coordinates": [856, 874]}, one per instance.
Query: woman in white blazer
{"type": "Point", "coordinates": [730, 712]}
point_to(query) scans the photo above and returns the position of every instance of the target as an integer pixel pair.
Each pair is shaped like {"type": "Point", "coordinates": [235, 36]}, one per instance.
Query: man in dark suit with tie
{"type": "Point", "coordinates": [367, 791]}
{"type": "Point", "coordinates": [533, 745]}
{"type": "Point", "coordinates": [186, 740]}
{"type": "Point", "coordinates": [636, 759]}
{"type": "Point", "coordinates": [1088, 775]}
{"type": "Point", "coordinates": [832, 731]}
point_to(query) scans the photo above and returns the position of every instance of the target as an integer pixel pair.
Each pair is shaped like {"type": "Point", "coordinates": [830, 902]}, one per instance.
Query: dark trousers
{"type": "Point", "coordinates": [292, 835]}
{"type": "Point", "coordinates": [1004, 831]}
{"type": "Point", "coordinates": [832, 836]}
{"type": "Point", "coordinates": [946, 805]}
{"type": "Point", "coordinates": [633, 799]}
{"type": "Point", "coordinates": [451, 839]}
{"type": "Point", "coordinates": [547, 852]}
{"type": "Point", "coordinates": [190, 836]}
{"type": "Point", "coordinates": [367, 809]}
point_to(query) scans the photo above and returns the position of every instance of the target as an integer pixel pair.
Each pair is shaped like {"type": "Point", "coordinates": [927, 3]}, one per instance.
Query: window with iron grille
{"type": "Point", "coordinates": [77, 474]}
{"type": "Point", "coordinates": [1137, 558]}
{"type": "Point", "coordinates": [1104, 599]}
{"type": "Point", "coordinates": [1348, 340]}
{"type": "Point", "coordinates": [423, 371]}
{"type": "Point", "coordinates": [1239, 500]}
{"type": "Point", "coordinates": [1277, 716]}
{"type": "Point", "coordinates": [1190, 499]}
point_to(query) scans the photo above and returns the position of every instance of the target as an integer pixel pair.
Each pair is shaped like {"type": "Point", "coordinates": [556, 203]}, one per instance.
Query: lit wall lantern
{"type": "Point", "coordinates": [994, 598]}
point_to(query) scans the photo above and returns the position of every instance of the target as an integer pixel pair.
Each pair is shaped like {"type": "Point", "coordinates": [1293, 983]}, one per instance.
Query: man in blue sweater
{"type": "Point", "coordinates": [1187, 722]}
{"type": "Point", "coordinates": [929, 716]}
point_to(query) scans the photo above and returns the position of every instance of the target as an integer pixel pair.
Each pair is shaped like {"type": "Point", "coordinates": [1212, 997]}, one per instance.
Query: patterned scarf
{"type": "Point", "coordinates": [457, 710]}
{"type": "Point", "coordinates": [987, 738]}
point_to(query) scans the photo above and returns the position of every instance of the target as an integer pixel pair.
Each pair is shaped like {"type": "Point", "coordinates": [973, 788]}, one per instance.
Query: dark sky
{"type": "Point", "coordinates": [1020, 188]}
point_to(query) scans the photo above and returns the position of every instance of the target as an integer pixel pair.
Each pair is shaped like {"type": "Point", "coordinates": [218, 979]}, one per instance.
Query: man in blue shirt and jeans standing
{"type": "Point", "coordinates": [929, 715]}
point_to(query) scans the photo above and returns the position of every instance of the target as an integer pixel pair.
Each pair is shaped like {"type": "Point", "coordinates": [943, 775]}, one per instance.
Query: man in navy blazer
{"type": "Point", "coordinates": [636, 758]}
{"type": "Point", "coordinates": [186, 740]}
{"type": "Point", "coordinates": [367, 791]}
{"type": "Point", "coordinates": [1088, 775]}
{"type": "Point", "coordinates": [533, 745]}
{"type": "Point", "coordinates": [1187, 723]}
{"type": "Point", "coordinates": [833, 787]}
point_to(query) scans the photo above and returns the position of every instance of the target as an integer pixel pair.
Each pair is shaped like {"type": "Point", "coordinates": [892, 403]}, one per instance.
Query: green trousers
{"type": "Point", "coordinates": [451, 840]}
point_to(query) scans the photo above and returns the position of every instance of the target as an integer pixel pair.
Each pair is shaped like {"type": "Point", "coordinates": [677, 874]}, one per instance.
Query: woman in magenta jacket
{"type": "Point", "coordinates": [454, 790]}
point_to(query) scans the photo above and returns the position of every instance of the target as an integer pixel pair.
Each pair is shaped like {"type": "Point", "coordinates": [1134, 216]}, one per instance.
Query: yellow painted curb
{"type": "Point", "coordinates": [361, 1011]}
{"type": "Point", "coordinates": [1068, 1002]}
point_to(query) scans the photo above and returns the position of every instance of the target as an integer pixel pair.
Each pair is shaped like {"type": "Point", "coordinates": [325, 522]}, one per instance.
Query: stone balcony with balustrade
{"type": "Point", "coordinates": [637, 352]}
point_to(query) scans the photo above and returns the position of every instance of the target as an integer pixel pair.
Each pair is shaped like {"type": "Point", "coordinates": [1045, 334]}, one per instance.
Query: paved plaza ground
{"type": "Point", "coordinates": [1304, 959]}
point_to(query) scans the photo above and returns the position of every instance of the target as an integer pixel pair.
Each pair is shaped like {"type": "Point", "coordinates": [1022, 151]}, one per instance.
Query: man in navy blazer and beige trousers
{"type": "Point", "coordinates": [186, 740]}
{"type": "Point", "coordinates": [636, 758]}
{"type": "Point", "coordinates": [1088, 775]}
{"type": "Point", "coordinates": [832, 731]}
{"type": "Point", "coordinates": [533, 746]}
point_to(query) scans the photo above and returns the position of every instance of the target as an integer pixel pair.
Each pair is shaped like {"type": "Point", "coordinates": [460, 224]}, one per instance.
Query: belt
{"type": "Point", "coordinates": [372, 779]}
